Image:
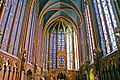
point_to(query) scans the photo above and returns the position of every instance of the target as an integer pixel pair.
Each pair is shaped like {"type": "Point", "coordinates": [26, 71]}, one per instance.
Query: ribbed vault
{"type": "Point", "coordinates": [65, 12]}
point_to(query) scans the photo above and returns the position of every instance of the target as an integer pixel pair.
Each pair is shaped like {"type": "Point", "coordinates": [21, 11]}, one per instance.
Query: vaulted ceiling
{"type": "Point", "coordinates": [60, 12]}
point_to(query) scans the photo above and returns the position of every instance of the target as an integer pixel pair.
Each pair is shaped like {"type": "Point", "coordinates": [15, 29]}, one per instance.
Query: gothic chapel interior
{"type": "Point", "coordinates": [59, 39]}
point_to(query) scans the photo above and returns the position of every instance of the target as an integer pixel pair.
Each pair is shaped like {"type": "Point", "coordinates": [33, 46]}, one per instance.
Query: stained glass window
{"type": "Point", "coordinates": [61, 41]}
{"type": "Point", "coordinates": [17, 41]}
{"type": "Point", "coordinates": [106, 23]}
{"type": "Point", "coordinates": [9, 25]}
{"type": "Point", "coordinates": [90, 39]}
{"type": "Point", "coordinates": [5, 18]}
{"type": "Point", "coordinates": [15, 28]}
{"type": "Point", "coordinates": [69, 49]}
{"type": "Point", "coordinates": [111, 22]}
{"type": "Point", "coordinates": [53, 50]}
{"type": "Point", "coordinates": [31, 41]}
{"type": "Point", "coordinates": [61, 61]}
{"type": "Point", "coordinates": [29, 28]}
{"type": "Point", "coordinates": [76, 51]}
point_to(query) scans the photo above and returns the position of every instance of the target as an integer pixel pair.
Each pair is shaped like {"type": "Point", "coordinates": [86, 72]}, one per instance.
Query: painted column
{"type": "Point", "coordinates": [1, 73]}
{"type": "Point", "coordinates": [65, 49]}
{"type": "Point", "coordinates": [73, 51]}
{"type": "Point", "coordinates": [49, 53]}
{"type": "Point", "coordinates": [6, 73]}
{"type": "Point", "coordinates": [3, 9]}
{"type": "Point", "coordinates": [11, 71]}
{"type": "Point", "coordinates": [22, 75]}
{"type": "Point", "coordinates": [14, 77]}
{"type": "Point", "coordinates": [1, 68]}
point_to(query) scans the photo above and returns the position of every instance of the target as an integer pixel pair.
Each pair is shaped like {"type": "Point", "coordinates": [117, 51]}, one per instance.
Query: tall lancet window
{"type": "Point", "coordinates": [61, 41]}
{"type": "Point", "coordinates": [106, 23]}
{"type": "Point", "coordinates": [76, 51]}
{"type": "Point", "coordinates": [89, 29]}
{"type": "Point", "coordinates": [69, 49]}
{"type": "Point", "coordinates": [61, 61]}
{"type": "Point", "coordinates": [53, 50]}
{"type": "Point", "coordinates": [62, 48]}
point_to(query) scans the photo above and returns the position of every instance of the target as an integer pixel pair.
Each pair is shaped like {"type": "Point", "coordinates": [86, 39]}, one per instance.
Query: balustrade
{"type": "Point", "coordinates": [10, 67]}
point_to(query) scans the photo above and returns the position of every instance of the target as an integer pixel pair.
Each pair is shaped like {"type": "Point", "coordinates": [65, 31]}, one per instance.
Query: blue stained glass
{"type": "Point", "coordinates": [29, 27]}
{"type": "Point", "coordinates": [90, 40]}
{"type": "Point", "coordinates": [106, 41]}
{"type": "Point", "coordinates": [61, 41]}
{"type": "Point", "coordinates": [15, 28]}
{"type": "Point", "coordinates": [9, 25]}
{"type": "Point", "coordinates": [61, 61]}
{"type": "Point", "coordinates": [31, 43]}
{"type": "Point", "coordinates": [4, 19]}
{"type": "Point", "coordinates": [53, 50]}
{"type": "Point", "coordinates": [19, 29]}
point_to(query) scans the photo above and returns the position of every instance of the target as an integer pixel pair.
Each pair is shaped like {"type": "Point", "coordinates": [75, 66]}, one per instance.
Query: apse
{"type": "Point", "coordinates": [60, 46]}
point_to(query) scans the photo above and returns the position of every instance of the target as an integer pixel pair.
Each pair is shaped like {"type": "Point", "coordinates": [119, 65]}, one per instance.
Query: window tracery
{"type": "Point", "coordinates": [106, 23]}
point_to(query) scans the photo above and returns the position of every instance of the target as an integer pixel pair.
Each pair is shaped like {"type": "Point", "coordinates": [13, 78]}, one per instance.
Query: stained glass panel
{"type": "Point", "coordinates": [90, 39]}
{"type": "Point", "coordinates": [53, 50]}
{"type": "Point", "coordinates": [104, 14]}
{"type": "Point", "coordinates": [61, 61]}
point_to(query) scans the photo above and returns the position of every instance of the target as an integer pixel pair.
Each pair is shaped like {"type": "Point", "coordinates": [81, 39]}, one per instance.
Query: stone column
{"type": "Point", "coordinates": [14, 77]}
{"type": "Point", "coordinates": [22, 75]}
{"type": "Point", "coordinates": [73, 53]}
{"type": "Point", "coordinates": [48, 66]}
{"type": "Point", "coordinates": [65, 50]}
{"type": "Point", "coordinates": [10, 70]}
{"type": "Point", "coordinates": [7, 69]}
{"type": "Point", "coordinates": [17, 73]}
{"type": "Point", "coordinates": [1, 67]}
{"type": "Point", "coordinates": [2, 9]}
{"type": "Point", "coordinates": [0, 73]}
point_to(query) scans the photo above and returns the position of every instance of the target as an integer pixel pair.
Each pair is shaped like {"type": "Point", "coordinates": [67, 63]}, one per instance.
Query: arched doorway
{"type": "Point", "coordinates": [29, 75]}
{"type": "Point", "coordinates": [61, 76]}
